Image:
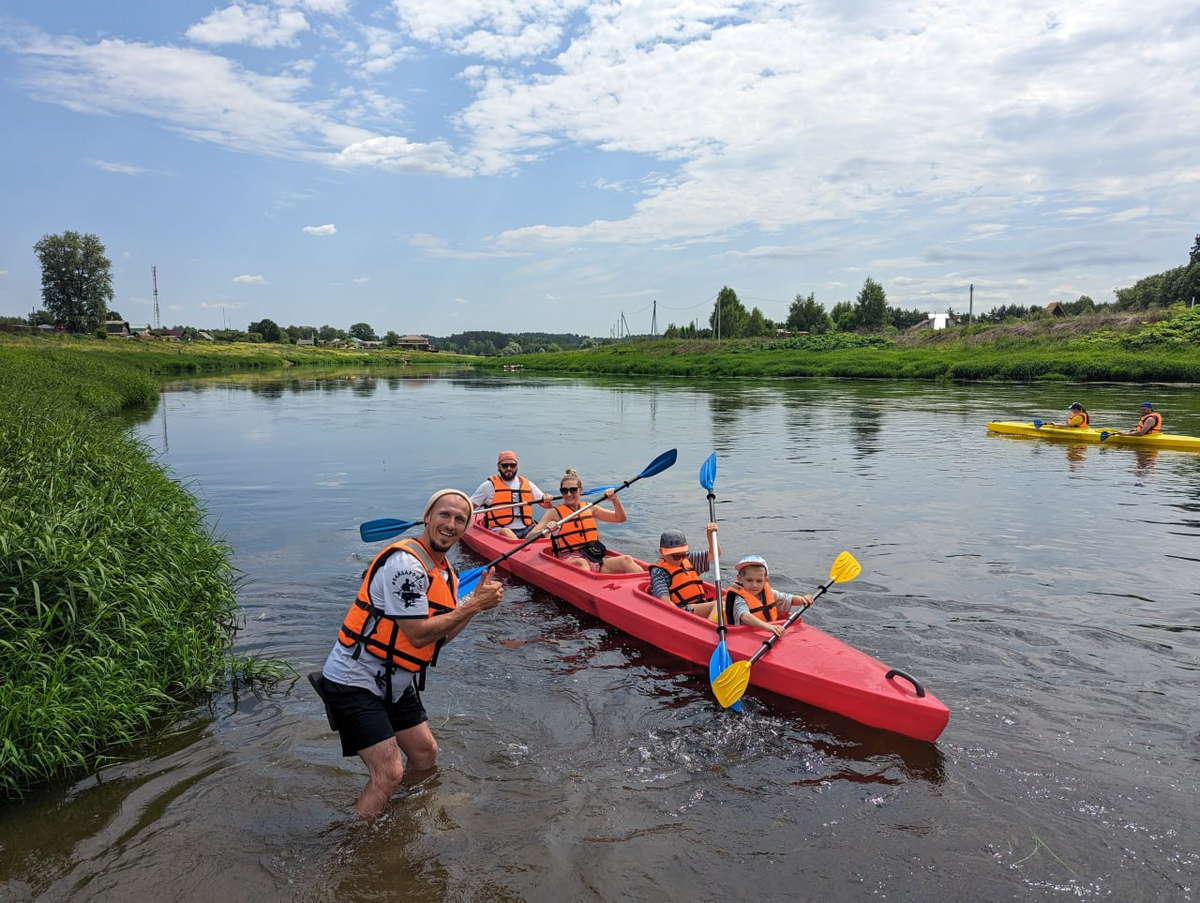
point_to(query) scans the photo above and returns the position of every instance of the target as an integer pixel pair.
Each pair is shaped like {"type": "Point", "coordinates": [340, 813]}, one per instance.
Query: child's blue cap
{"type": "Point", "coordinates": [1146, 404]}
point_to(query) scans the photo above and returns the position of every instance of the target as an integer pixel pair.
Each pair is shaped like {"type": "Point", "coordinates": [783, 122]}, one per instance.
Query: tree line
{"type": "Point", "coordinates": [77, 289]}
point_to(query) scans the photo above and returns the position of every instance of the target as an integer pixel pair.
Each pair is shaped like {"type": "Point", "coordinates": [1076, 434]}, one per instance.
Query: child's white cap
{"type": "Point", "coordinates": [753, 559]}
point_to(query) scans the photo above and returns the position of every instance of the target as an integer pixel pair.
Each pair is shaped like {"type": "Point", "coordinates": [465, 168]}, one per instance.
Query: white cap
{"type": "Point", "coordinates": [753, 559]}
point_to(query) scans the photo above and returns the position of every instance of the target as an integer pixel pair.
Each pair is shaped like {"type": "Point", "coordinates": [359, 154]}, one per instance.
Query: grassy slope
{"type": "Point", "coordinates": [1162, 346]}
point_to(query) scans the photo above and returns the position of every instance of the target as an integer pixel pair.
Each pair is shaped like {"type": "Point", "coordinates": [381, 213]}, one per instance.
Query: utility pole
{"type": "Point", "coordinates": [654, 318]}
{"type": "Point", "coordinates": [971, 304]}
{"type": "Point", "coordinates": [154, 276]}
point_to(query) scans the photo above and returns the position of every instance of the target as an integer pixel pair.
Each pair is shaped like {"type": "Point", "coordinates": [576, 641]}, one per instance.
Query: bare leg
{"type": "Point", "coordinates": [385, 770]}
{"type": "Point", "coordinates": [385, 766]}
{"type": "Point", "coordinates": [419, 746]}
{"type": "Point", "coordinates": [619, 564]}
{"type": "Point", "coordinates": [505, 532]}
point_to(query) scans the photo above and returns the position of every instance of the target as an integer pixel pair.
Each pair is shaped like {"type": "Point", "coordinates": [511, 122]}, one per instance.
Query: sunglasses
{"type": "Point", "coordinates": [509, 464]}
{"type": "Point", "coordinates": [677, 556]}
{"type": "Point", "coordinates": [565, 489]}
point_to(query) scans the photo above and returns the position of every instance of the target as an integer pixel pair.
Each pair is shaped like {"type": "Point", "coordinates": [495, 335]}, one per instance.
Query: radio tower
{"type": "Point", "coordinates": [154, 276]}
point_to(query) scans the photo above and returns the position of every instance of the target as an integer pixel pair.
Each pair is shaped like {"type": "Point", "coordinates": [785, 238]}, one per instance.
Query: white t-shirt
{"type": "Point", "coordinates": [399, 587]}
{"type": "Point", "coordinates": [486, 491]}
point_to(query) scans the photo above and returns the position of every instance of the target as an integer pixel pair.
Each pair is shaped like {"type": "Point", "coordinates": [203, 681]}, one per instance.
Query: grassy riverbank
{"type": "Point", "coordinates": [117, 604]}
{"type": "Point", "coordinates": [1160, 346]}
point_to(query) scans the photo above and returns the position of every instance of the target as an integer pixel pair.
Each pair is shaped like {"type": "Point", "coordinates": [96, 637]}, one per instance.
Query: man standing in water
{"type": "Point", "coordinates": [406, 610]}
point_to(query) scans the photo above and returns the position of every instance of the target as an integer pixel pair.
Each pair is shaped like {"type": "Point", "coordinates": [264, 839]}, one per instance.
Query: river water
{"type": "Point", "coordinates": [1046, 592]}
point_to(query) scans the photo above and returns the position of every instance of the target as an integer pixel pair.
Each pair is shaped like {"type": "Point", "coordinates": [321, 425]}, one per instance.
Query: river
{"type": "Point", "coordinates": [1046, 592]}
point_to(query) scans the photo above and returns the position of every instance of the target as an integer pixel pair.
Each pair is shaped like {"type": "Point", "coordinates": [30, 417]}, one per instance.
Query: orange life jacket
{"type": "Point", "coordinates": [686, 586]}
{"type": "Point", "coordinates": [503, 495]}
{"type": "Point", "coordinates": [1156, 417]}
{"type": "Point", "coordinates": [368, 628]}
{"type": "Point", "coordinates": [758, 604]}
{"type": "Point", "coordinates": [1084, 421]}
{"type": "Point", "coordinates": [575, 533]}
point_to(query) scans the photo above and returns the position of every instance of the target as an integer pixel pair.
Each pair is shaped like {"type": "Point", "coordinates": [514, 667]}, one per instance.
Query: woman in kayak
{"type": "Point", "coordinates": [575, 539]}
{"type": "Point", "coordinates": [1077, 419]}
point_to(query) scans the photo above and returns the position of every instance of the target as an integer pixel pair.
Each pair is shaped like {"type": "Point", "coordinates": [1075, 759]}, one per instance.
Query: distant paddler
{"type": "Point", "coordinates": [1077, 418]}
{"type": "Point", "coordinates": [1150, 423]}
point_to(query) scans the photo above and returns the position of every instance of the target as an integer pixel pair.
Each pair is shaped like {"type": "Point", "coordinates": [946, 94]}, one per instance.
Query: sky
{"type": "Point", "coordinates": [601, 168]}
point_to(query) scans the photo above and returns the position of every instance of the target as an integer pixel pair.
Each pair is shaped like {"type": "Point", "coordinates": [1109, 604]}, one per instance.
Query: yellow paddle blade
{"type": "Point", "coordinates": [731, 683]}
{"type": "Point", "coordinates": [845, 567]}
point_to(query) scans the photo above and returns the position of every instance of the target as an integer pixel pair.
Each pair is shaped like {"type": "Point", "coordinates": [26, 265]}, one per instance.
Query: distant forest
{"type": "Point", "coordinates": [501, 344]}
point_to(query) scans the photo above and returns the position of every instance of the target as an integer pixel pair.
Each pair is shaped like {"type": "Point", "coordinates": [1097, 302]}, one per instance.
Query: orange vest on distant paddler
{"type": "Point", "coordinates": [686, 586]}
{"type": "Point", "coordinates": [575, 533]}
{"type": "Point", "coordinates": [503, 495]}
{"type": "Point", "coordinates": [368, 628]}
{"type": "Point", "coordinates": [1156, 417]}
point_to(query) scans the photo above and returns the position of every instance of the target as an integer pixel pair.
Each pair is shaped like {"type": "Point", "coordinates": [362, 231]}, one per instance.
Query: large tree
{"type": "Point", "coordinates": [729, 317]}
{"type": "Point", "coordinates": [76, 280]}
{"type": "Point", "coordinates": [363, 332]}
{"type": "Point", "coordinates": [871, 308]}
{"type": "Point", "coordinates": [267, 328]}
{"type": "Point", "coordinates": [808, 315]}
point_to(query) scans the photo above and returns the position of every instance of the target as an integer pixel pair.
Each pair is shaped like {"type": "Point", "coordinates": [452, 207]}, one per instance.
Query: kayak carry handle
{"type": "Point", "coordinates": [896, 672]}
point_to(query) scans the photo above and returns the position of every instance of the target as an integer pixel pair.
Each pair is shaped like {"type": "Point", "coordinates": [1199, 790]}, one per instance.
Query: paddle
{"type": "Point", "coordinates": [1104, 434]}
{"type": "Point", "coordinates": [732, 682]}
{"type": "Point", "coordinates": [720, 658]}
{"type": "Point", "coordinates": [1038, 424]}
{"type": "Point", "coordinates": [387, 527]}
{"type": "Point", "coordinates": [468, 579]}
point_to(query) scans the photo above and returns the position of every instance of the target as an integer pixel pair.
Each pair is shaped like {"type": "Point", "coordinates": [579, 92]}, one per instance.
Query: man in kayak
{"type": "Point", "coordinates": [675, 577]}
{"type": "Point", "coordinates": [1151, 422]}
{"type": "Point", "coordinates": [506, 488]}
{"type": "Point", "coordinates": [752, 600]}
{"type": "Point", "coordinates": [1076, 419]}
{"type": "Point", "coordinates": [575, 538]}
{"type": "Point", "coordinates": [406, 610]}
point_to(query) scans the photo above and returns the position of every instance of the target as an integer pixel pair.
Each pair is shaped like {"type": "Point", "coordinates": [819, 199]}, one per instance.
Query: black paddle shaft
{"type": "Point", "coordinates": [766, 646]}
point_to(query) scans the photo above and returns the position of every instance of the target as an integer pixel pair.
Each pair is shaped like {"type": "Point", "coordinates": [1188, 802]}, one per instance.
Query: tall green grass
{"type": "Point", "coordinates": [116, 602]}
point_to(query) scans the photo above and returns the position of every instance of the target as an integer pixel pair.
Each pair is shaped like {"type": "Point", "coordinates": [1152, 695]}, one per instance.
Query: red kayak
{"type": "Point", "coordinates": [805, 664]}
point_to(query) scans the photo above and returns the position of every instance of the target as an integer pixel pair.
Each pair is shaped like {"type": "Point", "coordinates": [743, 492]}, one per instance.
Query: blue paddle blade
{"type": "Point", "coordinates": [708, 472]}
{"type": "Point", "coordinates": [659, 464]}
{"type": "Point", "coordinates": [468, 580]}
{"type": "Point", "coordinates": [383, 528]}
{"type": "Point", "coordinates": [1037, 424]}
{"type": "Point", "coordinates": [716, 666]}
{"type": "Point", "coordinates": [1104, 434]}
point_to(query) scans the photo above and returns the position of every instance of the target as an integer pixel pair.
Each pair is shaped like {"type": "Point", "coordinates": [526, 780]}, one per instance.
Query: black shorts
{"type": "Point", "coordinates": [363, 719]}
{"type": "Point", "coordinates": [521, 532]}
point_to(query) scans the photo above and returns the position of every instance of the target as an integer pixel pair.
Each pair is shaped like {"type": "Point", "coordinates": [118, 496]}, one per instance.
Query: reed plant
{"type": "Point", "coordinates": [117, 604]}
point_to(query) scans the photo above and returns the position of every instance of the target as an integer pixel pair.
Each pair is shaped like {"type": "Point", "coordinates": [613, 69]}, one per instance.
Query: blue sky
{"type": "Point", "coordinates": [436, 166]}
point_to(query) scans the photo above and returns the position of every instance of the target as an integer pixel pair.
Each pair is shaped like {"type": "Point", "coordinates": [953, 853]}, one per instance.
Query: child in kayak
{"type": "Point", "coordinates": [675, 577]}
{"type": "Point", "coordinates": [752, 600]}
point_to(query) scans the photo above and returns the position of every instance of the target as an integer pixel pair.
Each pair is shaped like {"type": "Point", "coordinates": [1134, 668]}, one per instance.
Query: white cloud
{"type": "Point", "coordinates": [250, 280]}
{"type": "Point", "coordinates": [249, 23]}
{"type": "Point", "coordinates": [361, 280]}
{"type": "Point", "coordinates": [120, 168]}
{"type": "Point", "coordinates": [327, 229]}
{"type": "Point", "coordinates": [202, 95]}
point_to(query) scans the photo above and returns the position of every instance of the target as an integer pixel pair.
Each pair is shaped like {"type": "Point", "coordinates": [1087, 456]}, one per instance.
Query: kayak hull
{"type": "Point", "coordinates": [1153, 440]}
{"type": "Point", "coordinates": [806, 664]}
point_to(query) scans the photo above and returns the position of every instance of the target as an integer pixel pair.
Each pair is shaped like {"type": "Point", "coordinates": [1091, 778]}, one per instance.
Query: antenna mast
{"type": "Point", "coordinates": [154, 276]}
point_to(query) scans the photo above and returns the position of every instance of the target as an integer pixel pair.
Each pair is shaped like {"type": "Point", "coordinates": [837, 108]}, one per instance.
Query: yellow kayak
{"type": "Point", "coordinates": [1108, 437]}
